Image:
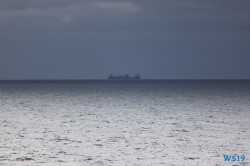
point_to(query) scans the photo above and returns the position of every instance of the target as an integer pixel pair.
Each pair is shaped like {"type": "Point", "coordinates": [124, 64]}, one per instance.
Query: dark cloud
{"type": "Point", "coordinates": [90, 39]}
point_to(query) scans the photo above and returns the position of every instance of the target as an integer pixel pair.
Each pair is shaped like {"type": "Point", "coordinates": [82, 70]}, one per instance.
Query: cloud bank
{"type": "Point", "coordinates": [90, 39]}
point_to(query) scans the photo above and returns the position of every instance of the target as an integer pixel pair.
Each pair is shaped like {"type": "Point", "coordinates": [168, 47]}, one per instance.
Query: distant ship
{"type": "Point", "coordinates": [124, 77]}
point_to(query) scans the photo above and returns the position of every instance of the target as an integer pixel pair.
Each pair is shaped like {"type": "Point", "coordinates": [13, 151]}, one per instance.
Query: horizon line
{"type": "Point", "coordinates": [147, 79]}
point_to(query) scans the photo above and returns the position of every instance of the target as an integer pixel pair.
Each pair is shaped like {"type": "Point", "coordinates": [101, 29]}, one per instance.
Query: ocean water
{"type": "Point", "coordinates": [173, 123]}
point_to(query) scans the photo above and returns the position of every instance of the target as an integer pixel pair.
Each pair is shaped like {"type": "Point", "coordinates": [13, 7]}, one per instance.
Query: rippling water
{"type": "Point", "coordinates": [124, 122]}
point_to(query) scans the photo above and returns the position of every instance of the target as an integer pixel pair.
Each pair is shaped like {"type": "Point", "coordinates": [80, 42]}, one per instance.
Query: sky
{"type": "Point", "coordinates": [90, 39]}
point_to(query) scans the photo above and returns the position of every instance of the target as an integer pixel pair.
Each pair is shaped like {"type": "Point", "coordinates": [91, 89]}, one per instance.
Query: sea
{"type": "Point", "coordinates": [145, 122]}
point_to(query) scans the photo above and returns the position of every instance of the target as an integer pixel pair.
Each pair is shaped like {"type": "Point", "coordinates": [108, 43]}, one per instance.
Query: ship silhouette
{"type": "Point", "coordinates": [124, 77]}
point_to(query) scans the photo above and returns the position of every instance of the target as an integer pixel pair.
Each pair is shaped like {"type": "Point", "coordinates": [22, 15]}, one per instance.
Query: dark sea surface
{"type": "Point", "coordinates": [185, 87]}
{"type": "Point", "coordinates": [102, 122]}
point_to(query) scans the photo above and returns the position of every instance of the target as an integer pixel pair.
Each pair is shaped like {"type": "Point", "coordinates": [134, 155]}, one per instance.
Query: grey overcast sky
{"type": "Point", "coordinates": [89, 39]}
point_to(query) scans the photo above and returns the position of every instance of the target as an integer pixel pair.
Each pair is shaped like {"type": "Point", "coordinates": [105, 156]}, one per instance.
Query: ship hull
{"type": "Point", "coordinates": [120, 78]}
{"type": "Point", "coordinates": [124, 77]}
